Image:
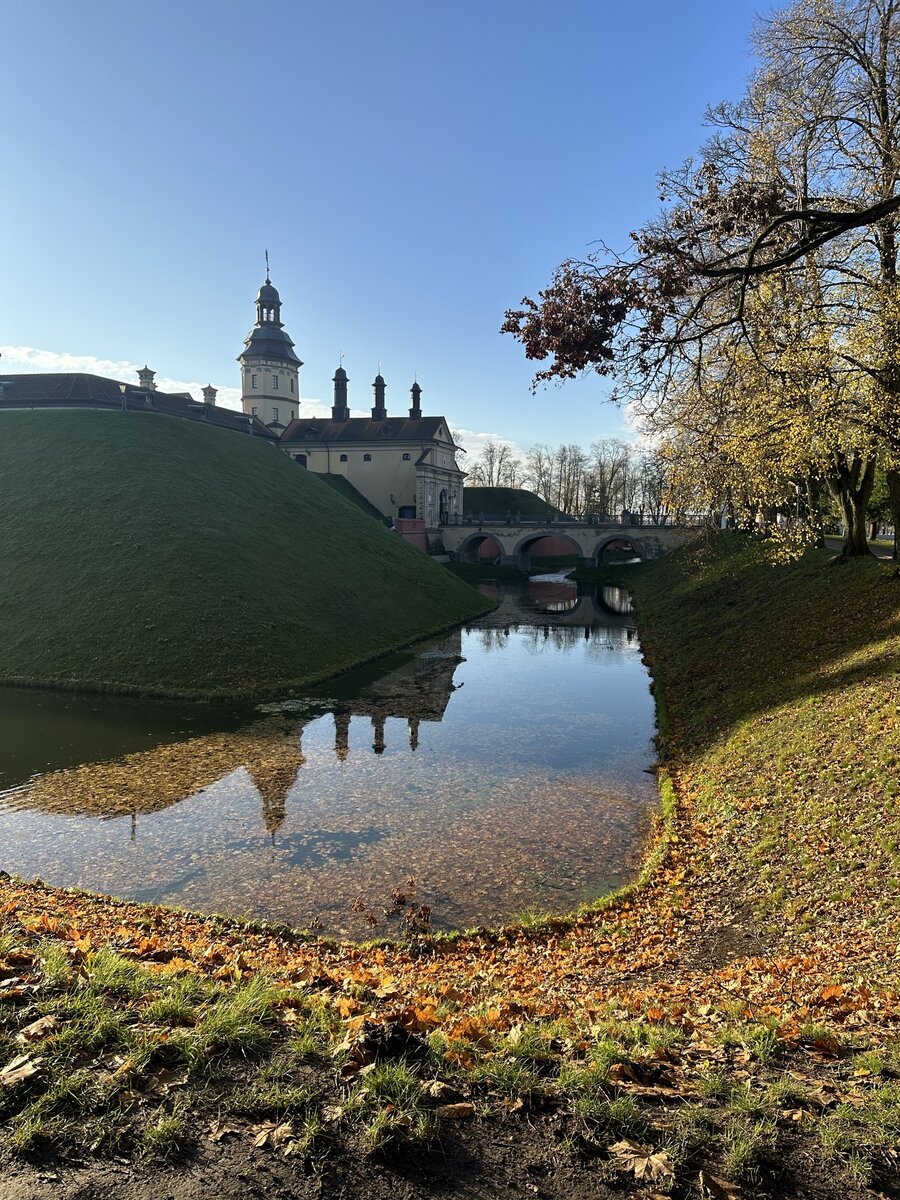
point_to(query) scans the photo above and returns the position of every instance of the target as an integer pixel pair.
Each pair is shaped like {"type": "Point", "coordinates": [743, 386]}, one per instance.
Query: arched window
{"type": "Point", "coordinates": [367, 458]}
{"type": "Point", "coordinates": [407, 457]}
{"type": "Point", "coordinates": [343, 458]}
{"type": "Point", "coordinates": [300, 460]}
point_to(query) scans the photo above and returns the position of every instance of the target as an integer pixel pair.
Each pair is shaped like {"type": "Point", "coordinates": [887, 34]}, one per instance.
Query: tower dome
{"type": "Point", "coordinates": [267, 338]}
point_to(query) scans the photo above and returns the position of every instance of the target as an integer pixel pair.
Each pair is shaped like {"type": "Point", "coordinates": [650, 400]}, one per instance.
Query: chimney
{"type": "Point", "coordinates": [379, 412]}
{"type": "Point", "coordinates": [340, 410]}
{"type": "Point", "coordinates": [145, 379]}
{"type": "Point", "coordinates": [209, 394]}
{"type": "Point", "coordinates": [416, 411]}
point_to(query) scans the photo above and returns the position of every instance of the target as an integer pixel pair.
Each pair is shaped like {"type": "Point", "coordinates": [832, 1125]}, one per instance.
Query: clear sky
{"type": "Point", "coordinates": [413, 168]}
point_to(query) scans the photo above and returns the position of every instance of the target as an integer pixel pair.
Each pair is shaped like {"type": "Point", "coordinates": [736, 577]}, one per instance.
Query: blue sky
{"type": "Point", "coordinates": [413, 168]}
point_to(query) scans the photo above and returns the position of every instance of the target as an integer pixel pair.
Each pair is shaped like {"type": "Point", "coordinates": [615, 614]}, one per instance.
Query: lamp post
{"type": "Point", "coordinates": [123, 388]}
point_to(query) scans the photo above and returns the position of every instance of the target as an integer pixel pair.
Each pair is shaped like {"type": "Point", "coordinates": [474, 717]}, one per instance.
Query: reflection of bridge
{"type": "Point", "coordinates": [557, 603]}
{"type": "Point", "coordinates": [514, 540]}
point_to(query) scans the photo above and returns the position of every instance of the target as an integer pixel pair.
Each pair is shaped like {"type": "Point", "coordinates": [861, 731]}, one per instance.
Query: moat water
{"type": "Point", "coordinates": [505, 767]}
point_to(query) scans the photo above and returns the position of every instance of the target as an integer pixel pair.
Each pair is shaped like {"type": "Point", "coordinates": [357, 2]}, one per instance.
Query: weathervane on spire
{"type": "Point", "coordinates": [268, 280]}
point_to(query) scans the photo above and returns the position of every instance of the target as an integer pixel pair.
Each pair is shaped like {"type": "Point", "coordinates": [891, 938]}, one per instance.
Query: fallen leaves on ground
{"type": "Point", "coordinates": [19, 1070]}
{"type": "Point", "coordinates": [645, 1162]}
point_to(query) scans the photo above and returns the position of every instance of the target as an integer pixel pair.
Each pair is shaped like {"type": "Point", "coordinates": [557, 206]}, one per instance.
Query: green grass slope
{"type": "Point", "coordinates": [782, 683]}
{"type": "Point", "coordinates": [145, 552]}
{"type": "Point", "coordinates": [500, 500]}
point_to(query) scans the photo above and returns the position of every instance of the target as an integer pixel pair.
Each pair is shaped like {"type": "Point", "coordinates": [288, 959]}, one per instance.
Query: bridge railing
{"type": "Point", "coordinates": [630, 520]}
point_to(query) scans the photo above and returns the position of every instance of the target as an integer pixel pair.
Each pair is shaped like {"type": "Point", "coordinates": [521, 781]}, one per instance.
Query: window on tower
{"type": "Point", "coordinates": [254, 381]}
{"type": "Point", "coordinates": [292, 383]}
{"type": "Point", "coordinates": [274, 414]}
{"type": "Point", "coordinates": [274, 383]}
{"type": "Point", "coordinates": [255, 411]}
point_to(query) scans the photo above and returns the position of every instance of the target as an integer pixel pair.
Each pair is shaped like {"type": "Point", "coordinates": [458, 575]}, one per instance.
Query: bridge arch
{"type": "Point", "coordinates": [521, 551]}
{"type": "Point", "coordinates": [479, 546]}
{"type": "Point", "coordinates": [616, 541]}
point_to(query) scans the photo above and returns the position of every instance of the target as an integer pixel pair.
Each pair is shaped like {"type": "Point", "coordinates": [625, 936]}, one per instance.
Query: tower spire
{"type": "Point", "coordinates": [268, 280]}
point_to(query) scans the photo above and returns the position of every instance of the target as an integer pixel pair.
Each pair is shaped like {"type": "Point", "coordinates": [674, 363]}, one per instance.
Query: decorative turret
{"type": "Point", "coordinates": [270, 370]}
{"type": "Point", "coordinates": [146, 380]}
{"type": "Point", "coordinates": [416, 411]}
{"type": "Point", "coordinates": [340, 410]}
{"type": "Point", "coordinates": [379, 412]}
{"type": "Point", "coordinates": [209, 394]}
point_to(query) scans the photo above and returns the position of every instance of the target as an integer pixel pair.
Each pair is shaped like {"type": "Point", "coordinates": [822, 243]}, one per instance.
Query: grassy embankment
{"type": "Point", "coordinates": [146, 553]}
{"type": "Point", "coordinates": [727, 1023]}
{"type": "Point", "coordinates": [496, 501]}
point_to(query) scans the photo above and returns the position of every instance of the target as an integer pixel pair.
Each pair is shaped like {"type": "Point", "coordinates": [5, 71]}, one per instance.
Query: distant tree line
{"type": "Point", "coordinates": [602, 481]}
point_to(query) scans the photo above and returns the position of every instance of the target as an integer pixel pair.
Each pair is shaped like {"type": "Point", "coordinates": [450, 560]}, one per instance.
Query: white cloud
{"type": "Point", "coordinates": [634, 420]}
{"type": "Point", "coordinates": [474, 442]}
{"type": "Point", "coordinates": [16, 360]}
{"type": "Point", "coordinates": [25, 359]}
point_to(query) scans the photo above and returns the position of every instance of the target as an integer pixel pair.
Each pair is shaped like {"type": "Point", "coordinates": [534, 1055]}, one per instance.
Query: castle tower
{"type": "Point", "coordinates": [340, 410]}
{"type": "Point", "coordinates": [270, 370]}
{"type": "Point", "coordinates": [146, 380]}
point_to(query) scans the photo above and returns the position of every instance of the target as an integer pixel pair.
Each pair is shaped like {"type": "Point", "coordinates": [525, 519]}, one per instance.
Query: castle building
{"type": "Point", "coordinates": [405, 466]}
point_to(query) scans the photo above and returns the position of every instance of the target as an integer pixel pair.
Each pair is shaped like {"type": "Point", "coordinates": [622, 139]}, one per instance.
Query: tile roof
{"type": "Point", "coordinates": [363, 429]}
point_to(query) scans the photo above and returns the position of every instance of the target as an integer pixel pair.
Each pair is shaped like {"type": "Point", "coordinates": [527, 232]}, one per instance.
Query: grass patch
{"type": "Point", "coordinates": [392, 1106]}
{"type": "Point", "coordinates": [498, 501]}
{"type": "Point", "coordinates": [135, 522]}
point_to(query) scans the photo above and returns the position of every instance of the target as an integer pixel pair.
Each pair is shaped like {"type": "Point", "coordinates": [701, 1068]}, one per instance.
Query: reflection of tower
{"type": "Point", "coordinates": [342, 734]}
{"type": "Point", "coordinates": [274, 811]}
{"type": "Point", "coordinates": [413, 733]}
{"type": "Point", "coordinates": [378, 732]}
{"type": "Point", "coordinates": [274, 776]}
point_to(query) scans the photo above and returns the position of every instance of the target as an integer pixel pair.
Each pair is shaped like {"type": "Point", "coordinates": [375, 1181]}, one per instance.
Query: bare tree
{"type": "Point", "coordinates": [495, 466]}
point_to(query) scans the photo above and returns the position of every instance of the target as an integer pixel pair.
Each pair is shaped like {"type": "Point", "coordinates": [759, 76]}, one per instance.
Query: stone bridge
{"type": "Point", "coordinates": [589, 541]}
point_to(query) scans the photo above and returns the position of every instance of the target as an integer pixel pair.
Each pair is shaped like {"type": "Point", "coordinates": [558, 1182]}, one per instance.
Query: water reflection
{"type": "Point", "coordinates": [503, 765]}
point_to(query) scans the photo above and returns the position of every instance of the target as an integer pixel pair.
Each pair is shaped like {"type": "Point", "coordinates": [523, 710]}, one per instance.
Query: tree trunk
{"type": "Point", "coordinates": [851, 484]}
